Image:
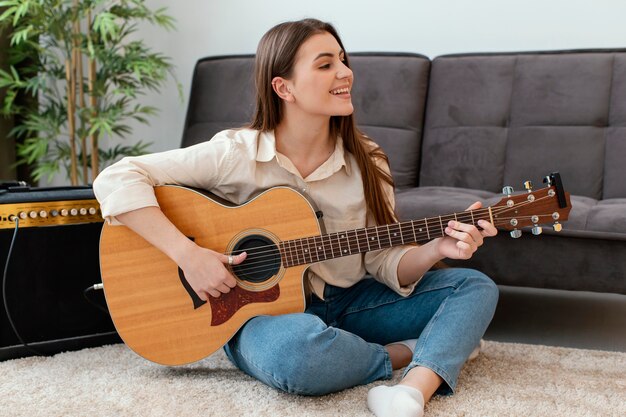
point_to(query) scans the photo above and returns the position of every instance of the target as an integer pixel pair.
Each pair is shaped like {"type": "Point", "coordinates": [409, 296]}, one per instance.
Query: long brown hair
{"type": "Point", "coordinates": [275, 57]}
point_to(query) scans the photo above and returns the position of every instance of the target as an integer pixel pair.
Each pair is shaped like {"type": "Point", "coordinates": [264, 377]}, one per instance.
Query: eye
{"type": "Point", "coordinates": [325, 66]}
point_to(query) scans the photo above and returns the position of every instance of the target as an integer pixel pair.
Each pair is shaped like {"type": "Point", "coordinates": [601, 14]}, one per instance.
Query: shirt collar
{"type": "Point", "coordinates": [266, 146]}
{"type": "Point", "coordinates": [266, 151]}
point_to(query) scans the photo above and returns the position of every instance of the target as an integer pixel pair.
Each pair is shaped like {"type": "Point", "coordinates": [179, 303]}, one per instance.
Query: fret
{"type": "Point", "coordinates": [346, 247]}
{"type": "Point", "coordinates": [446, 219]}
{"type": "Point", "coordinates": [294, 256]}
{"type": "Point", "coordinates": [367, 240]}
{"type": "Point", "coordinates": [383, 243]}
{"type": "Point", "coordinates": [318, 247]}
{"type": "Point", "coordinates": [351, 242]}
{"type": "Point", "coordinates": [443, 233]}
{"type": "Point", "coordinates": [375, 239]}
{"type": "Point", "coordinates": [472, 214]}
{"type": "Point", "coordinates": [308, 245]}
{"type": "Point", "coordinates": [312, 249]}
{"type": "Point", "coordinates": [389, 235]}
{"type": "Point", "coordinates": [332, 251]}
{"type": "Point", "coordinates": [308, 249]}
{"type": "Point", "coordinates": [339, 244]}
{"type": "Point", "coordinates": [427, 231]}
{"type": "Point", "coordinates": [313, 240]}
{"type": "Point", "coordinates": [294, 253]}
{"type": "Point", "coordinates": [413, 228]}
{"type": "Point", "coordinates": [283, 255]}
{"type": "Point", "coordinates": [338, 239]}
{"type": "Point", "coordinates": [455, 219]}
{"type": "Point", "coordinates": [358, 244]}
{"type": "Point", "coordinates": [291, 261]}
{"type": "Point", "coordinates": [323, 247]}
{"type": "Point", "coordinates": [303, 253]}
{"type": "Point", "coordinates": [395, 234]}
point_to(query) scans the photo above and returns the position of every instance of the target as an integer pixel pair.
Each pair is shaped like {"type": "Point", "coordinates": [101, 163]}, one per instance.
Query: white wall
{"type": "Point", "coordinates": [429, 27]}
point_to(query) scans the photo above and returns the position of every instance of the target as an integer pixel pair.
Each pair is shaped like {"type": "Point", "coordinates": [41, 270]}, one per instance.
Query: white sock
{"type": "Point", "coordinates": [411, 343]}
{"type": "Point", "coordinates": [476, 350]}
{"type": "Point", "coordinates": [395, 401]}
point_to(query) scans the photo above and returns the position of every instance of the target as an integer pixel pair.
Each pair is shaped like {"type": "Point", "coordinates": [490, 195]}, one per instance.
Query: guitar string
{"type": "Point", "coordinates": [402, 227]}
{"type": "Point", "coordinates": [268, 267]}
{"type": "Point", "coordinates": [251, 267]}
{"type": "Point", "coordinates": [300, 254]}
{"type": "Point", "coordinates": [464, 216]}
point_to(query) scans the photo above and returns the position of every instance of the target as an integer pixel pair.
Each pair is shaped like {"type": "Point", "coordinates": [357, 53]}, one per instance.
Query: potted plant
{"type": "Point", "coordinates": [80, 60]}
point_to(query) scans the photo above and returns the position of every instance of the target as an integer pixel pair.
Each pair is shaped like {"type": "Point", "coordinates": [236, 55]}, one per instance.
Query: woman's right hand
{"type": "Point", "coordinates": [206, 271]}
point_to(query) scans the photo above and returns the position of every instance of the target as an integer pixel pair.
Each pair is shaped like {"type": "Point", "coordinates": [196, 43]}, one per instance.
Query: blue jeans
{"type": "Point", "coordinates": [338, 342]}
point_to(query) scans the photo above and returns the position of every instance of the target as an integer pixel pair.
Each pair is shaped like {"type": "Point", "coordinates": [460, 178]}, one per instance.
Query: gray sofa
{"type": "Point", "coordinates": [460, 127]}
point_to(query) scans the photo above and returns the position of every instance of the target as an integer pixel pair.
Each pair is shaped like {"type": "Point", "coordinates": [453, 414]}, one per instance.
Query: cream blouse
{"type": "Point", "coordinates": [239, 164]}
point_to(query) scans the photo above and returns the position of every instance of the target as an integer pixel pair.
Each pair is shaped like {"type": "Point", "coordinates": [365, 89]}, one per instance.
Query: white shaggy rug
{"type": "Point", "coordinates": [506, 380]}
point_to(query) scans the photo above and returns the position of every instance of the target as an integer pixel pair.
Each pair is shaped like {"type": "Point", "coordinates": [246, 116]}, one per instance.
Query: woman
{"type": "Point", "coordinates": [357, 327]}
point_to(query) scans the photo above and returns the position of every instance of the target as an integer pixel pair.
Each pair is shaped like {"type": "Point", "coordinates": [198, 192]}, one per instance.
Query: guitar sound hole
{"type": "Point", "coordinates": [262, 262]}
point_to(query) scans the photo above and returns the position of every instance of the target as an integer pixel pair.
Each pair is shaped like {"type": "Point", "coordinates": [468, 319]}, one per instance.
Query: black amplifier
{"type": "Point", "coordinates": [49, 264]}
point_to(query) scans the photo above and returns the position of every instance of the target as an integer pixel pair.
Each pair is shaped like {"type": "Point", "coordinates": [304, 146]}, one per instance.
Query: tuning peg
{"type": "Point", "coordinates": [557, 227]}
{"type": "Point", "coordinates": [516, 233]}
{"type": "Point", "coordinates": [547, 180]}
{"type": "Point", "coordinates": [537, 230]}
{"type": "Point", "coordinates": [528, 185]}
{"type": "Point", "coordinates": [508, 190]}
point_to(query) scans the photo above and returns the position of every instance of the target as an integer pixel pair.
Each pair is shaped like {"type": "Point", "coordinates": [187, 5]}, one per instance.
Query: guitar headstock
{"type": "Point", "coordinates": [550, 204]}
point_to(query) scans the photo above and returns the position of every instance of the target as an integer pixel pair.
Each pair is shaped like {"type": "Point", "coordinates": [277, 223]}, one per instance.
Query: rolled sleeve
{"type": "Point", "coordinates": [383, 266]}
{"type": "Point", "coordinates": [129, 184]}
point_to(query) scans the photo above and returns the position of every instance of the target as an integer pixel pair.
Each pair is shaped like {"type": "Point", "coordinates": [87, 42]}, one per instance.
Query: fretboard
{"type": "Point", "coordinates": [350, 242]}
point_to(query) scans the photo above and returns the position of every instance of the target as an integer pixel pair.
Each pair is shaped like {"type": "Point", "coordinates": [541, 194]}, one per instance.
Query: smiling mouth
{"type": "Point", "coordinates": [344, 90]}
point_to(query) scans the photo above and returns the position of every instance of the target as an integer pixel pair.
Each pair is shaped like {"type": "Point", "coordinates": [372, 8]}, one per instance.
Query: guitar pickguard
{"type": "Point", "coordinates": [223, 308]}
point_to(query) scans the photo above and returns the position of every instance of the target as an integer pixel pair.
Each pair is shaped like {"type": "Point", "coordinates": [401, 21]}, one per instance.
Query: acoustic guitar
{"type": "Point", "coordinates": [160, 317]}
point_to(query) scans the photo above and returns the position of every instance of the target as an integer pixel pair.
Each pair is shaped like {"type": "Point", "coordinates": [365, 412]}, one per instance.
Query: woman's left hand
{"type": "Point", "coordinates": [462, 239]}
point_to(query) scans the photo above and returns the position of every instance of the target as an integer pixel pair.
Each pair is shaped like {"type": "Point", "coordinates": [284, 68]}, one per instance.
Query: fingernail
{"type": "Point", "coordinates": [451, 223]}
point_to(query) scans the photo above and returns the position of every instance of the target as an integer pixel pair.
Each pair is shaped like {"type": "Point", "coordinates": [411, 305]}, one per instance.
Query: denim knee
{"type": "Point", "coordinates": [306, 370]}
{"type": "Point", "coordinates": [287, 352]}
{"type": "Point", "coordinates": [489, 292]}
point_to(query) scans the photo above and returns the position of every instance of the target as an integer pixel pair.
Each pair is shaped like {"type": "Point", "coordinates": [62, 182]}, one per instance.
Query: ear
{"type": "Point", "coordinates": [282, 89]}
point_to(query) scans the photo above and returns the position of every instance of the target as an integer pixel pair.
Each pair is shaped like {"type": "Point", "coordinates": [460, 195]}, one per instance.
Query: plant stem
{"type": "Point", "coordinates": [93, 101]}
{"type": "Point", "coordinates": [81, 95]}
{"type": "Point", "coordinates": [69, 65]}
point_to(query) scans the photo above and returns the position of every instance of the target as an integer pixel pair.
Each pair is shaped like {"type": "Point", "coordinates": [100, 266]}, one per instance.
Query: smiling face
{"type": "Point", "coordinates": [321, 82]}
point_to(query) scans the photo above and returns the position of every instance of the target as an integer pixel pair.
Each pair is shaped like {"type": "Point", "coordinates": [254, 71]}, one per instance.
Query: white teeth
{"type": "Point", "coordinates": [340, 91]}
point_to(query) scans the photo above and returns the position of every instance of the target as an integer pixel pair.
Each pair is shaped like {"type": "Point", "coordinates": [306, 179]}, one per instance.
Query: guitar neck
{"type": "Point", "coordinates": [350, 242]}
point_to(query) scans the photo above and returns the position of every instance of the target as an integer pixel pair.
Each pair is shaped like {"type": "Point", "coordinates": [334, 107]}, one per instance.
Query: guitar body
{"type": "Point", "coordinates": [152, 306]}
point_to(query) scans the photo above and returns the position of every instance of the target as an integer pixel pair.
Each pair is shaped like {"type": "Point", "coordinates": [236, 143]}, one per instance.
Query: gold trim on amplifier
{"type": "Point", "coordinates": [50, 213]}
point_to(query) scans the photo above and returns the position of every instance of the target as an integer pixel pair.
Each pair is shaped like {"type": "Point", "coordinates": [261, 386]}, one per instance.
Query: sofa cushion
{"type": "Point", "coordinates": [608, 216]}
{"type": "Point", "coordinates": [497, 119]}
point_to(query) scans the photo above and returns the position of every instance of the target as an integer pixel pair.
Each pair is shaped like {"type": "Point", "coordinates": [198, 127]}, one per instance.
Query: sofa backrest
{"type": "Point", "coordinates": [501, 119]}
{"type": "Point", "coordinates": [389, 97]}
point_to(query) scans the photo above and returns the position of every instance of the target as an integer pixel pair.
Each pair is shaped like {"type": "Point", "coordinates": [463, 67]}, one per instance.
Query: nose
{"type": "Point", "coordinates": [344, 72]}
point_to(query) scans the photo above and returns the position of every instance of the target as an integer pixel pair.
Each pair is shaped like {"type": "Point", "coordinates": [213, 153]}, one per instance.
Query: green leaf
{"type": "Point", "coordinates": [20, 12]}
{"type": "Point", "coordinates": [8, 12]}
{"type": "Point", "coordinates": [5, 3]}
{"type": "Point", "coordinates": [105, 25]}
{"type": "Point", "coordinates": [21, 35]}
